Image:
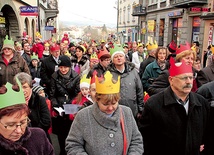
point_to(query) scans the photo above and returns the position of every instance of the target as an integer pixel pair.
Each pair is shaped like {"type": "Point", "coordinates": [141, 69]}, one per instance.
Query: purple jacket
{"type": "Point", "coordinates": [33, 142]}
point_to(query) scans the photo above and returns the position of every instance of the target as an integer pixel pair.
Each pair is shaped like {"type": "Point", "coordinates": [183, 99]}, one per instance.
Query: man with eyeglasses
{"type": "Point", "coordinates": [176, 121]}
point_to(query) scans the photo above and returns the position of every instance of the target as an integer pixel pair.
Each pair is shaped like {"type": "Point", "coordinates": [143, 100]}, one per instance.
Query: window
{"type": "Point", "coordinates": [128, 15]}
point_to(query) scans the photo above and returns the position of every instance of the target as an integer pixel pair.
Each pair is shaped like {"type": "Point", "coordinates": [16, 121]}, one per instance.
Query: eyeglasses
{"type": "Point", "coordinates": [185, 78]}
{"type": "Point", "coordinates": [13, 126]}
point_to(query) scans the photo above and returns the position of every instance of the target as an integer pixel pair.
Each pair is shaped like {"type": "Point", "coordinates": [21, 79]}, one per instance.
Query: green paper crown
{"type": "Point", "coordinates": [12, 97]}
{"type": "Point", "coordinates": [34, 56]}
{"type": "Point", "coordinates": [8, 43]}
{"type": "Point", "coordinates": [116, 48]}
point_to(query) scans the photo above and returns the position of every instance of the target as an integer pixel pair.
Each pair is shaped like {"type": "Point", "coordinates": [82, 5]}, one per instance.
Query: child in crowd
{"type": "Point", "coordinates": [81, 98]}
{"type": "Point", "coordinates": [40, 90]}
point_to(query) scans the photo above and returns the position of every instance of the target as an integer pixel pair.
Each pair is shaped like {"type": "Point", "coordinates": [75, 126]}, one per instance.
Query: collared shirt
{"type": "Point", "coordinates": [184, 103]}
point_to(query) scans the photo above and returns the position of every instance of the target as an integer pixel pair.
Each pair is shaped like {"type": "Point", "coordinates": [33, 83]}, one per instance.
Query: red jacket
{"type": "Point", "coordinates": [38, 48]}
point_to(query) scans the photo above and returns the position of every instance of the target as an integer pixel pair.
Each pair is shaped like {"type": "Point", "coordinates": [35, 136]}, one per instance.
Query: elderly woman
{"type": "Point", "coordinates": [105, 127]}
{"type": "Point", "coordinates": [15, 136]}
{"type": "Point", "coordinates": [39, 115]}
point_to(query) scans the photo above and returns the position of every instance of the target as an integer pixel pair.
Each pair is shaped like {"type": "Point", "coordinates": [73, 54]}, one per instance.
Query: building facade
{"type": "Point", "coordinates": [25, 17]}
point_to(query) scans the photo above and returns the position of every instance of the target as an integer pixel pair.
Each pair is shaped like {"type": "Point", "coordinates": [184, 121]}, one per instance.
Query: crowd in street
{"type": "Point", "coordinates": [102, 97]}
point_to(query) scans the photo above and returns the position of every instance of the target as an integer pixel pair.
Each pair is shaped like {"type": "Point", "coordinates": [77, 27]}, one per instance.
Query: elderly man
{"type": "Point", "coordinates": [176, 121]}
{"type": "Point", "coordinates": [11, 62]}
{"type": "Point", "coordinates": [49, 66]}
{"type": "Point", "coordinates": [131, 89]}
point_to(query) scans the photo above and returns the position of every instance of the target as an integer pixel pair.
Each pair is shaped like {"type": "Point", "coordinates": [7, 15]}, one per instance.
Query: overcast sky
{"type": "Point", "coordinates": [90, 11]}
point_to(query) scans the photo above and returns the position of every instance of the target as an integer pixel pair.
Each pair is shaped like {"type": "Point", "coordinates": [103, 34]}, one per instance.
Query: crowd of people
{"type": "Point", "coordinates": [101, 97]}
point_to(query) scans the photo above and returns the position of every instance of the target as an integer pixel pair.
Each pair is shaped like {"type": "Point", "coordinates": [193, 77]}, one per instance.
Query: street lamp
{"type": "Point", "coordinates": [117, 8]}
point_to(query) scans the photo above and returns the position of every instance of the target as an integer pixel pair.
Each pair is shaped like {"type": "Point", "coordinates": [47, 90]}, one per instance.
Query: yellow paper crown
{"type": "Point", "coordinates": [193, 48]}
{"type": "Point", "coordinates": [151, 46]}
{"type": "Point", "coordinates": [107, 85]}
{"type": "Point", "coordinates": [85, 82]}
{"type": "Point", "coordinates": [212, 48]}
{"type": "Point", "coordinates": [47, 44]}
{"type": "Point", "coordinates": [38, 35]}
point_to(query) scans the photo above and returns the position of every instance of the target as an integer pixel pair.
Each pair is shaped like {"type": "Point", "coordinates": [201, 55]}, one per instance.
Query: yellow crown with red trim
{"type": "Point", "coordinates": [107, 85]}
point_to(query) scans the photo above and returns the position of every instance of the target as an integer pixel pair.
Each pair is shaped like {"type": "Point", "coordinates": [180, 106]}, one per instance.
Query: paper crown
{"type": "Point", "coordinates": [18, 44]}
{"type": "Point", "coordinates": [8, 43]}
{"type": "Point", "coordinates": [102, 41]}
{"type": "Point", "coordinates": [179, 68]}
{"type": "Point", "coordinates": [38, 35]}
{"type": "Point", "coordinates": [93, 57]}
{"type": "Point", "coordinates": [172, 46]}
{"type": "Point", "coordinates": [47, 44]}
{"type": "Point", "coordinates": [212, 48]}
{"type": "Point", "coordinates": [193, 48]}
{"type": "Point", "coordinates": [139, 45]}
{"type": "Point", "coordinates": [116, 49]}
{"type": "Point", "coordinates": [150, 46]}
{"type": "Point", "coordinates": [54, 47]}
{"type": "Point", "coordinates": [107, 85]}
{"type": "Point", "coordinates": [12, 97]}
{"type": "Point", "coordinates": [34, 57]}
{"type": "Point", "coordinates": [182, 48]}
{"type": "Point", "coordinates": [103, 52]}
{"type": "Point", "coordinates": [85, 82]}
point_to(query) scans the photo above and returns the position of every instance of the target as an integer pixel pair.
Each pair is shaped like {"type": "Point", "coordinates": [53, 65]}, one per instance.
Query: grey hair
{"type": "Point", "coordinates": [24, 78]}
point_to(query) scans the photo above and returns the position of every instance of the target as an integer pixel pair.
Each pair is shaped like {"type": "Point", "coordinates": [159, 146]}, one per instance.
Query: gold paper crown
{"type": "Point", "coordinates": [12, 97]}
{"type": "Point", "coordinates": [47, 44]}
{"type": "Point", "coordinates": [193, 48]}
{"type": "Point", "coordinates": [107, 85]}
{"type": "Point", "coordinates": [150, 46]}
{"type": "Point", "coordinates": [85, 79]}
{"type": "Point", "coordinates": [38, 35]}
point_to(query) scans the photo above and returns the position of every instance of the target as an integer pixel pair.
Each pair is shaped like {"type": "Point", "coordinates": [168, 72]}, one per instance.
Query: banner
{"type": "Point", "coordinates": [151, 25]}
{"type": "Point", "coordinates": [28, 11]}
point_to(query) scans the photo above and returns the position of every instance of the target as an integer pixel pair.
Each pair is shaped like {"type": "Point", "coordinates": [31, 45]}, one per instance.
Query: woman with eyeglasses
{"type": "Point", "coordinates": [15, 135]}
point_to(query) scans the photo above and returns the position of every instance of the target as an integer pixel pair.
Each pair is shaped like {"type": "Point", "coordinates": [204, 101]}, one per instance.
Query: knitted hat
{"type": "Point", "coordinates": [37, 89]}
{"type": "Point", "coordinates": [115, 50]}
{"type": "Point", "coordinates": [8, 43]}
{"type": "Point", "coordinates": [64, 61]}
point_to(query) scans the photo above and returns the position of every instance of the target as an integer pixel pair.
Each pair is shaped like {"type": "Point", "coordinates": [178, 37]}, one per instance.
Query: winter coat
{"type": "Point", "coordinates": [61, 87]}
{"type": "Point", "coordinates": [93, 133]}
{"type": "Point", "coordinates": [27, 58]}
{"type": "Point", "coordinates": [131, 89]}
{"type": "Point", "coordinates": [206, 75]}
{"type": "Point", "coordinates": [40, 114]}
{"type": "Point", "coordinates": [16, 65]}
{"type": "Point", "coordinates": [136, 59]}
{"type": "Point", "coordinates": [167, 129]}
{"type": "Point", "coordinates": [99, 69]}
{"type": "Point", "coordinates": [143, 64]}
{"type": "Point", "coordinates": [48, 67]}
{"type": "Point", "coordinates": [35, 72]}
{"type": "Point", "coordinates": [38, 48]}
{"type": "Point", "coordinates": [83, 64]}
{"type": "Point", "coordinates": [32, 142]}
{"type": "Point", "coordinates": [151, 72]}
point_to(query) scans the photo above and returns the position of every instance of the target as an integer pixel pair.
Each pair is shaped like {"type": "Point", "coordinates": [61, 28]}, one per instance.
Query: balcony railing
{"type": "Point", "coordinates": [139, 10]}
{"type": "Point", "coordinates": [187, 3]}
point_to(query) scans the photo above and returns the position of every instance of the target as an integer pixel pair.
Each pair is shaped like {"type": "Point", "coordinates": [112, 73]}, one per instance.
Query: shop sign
{"type": "Point", "coordinates": [210, 35]}
{"type": "Point", "coordinates": [49, 28]}
{"type": "Point", "coordinates": [29, 10]}
{"type": "Point", "coordinates": [2, 20]}
{"type": "Point", "coordinates": [175, 13]}
{"type": "Point", "coordinates": [196, 22]}
{"type": "Point", "coordinates": [197, 9]}
{"type": "Point", "coordinates": [151, 25]}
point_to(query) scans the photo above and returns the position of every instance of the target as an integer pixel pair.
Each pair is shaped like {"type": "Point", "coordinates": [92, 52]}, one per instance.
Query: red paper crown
{"type": "Point", "coordinates": [172, 45]}
{"type": "Point", "coordinates": [183, 48]}
{"type": "Point", "coordinates": [179, 68]}
{"type": "Point", "coordinates": [54, 47]}
{"type": "Point", "coordinates": [102, 53]}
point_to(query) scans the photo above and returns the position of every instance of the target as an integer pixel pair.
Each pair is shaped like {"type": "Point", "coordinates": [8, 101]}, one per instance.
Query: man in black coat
{"type": "Point", "coordinates": [49, 66]}
{"type": "Point", "coordinates": [176, 121]}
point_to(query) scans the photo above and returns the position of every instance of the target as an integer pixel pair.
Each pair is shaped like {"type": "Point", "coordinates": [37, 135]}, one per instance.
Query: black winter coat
{"type": "Point", "coordinates": [168, 130]}
{"type": "Point", "coordinates": [64, 90]}
{"type": "Point", "coordinates": [39, 115]}
{"type": "Point", "coordinates": [99, 69]}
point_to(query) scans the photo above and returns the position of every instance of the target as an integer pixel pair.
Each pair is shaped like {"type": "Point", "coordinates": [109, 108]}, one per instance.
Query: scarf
{"type": "Point", "coordinates": [162, 64]}
{"type": "Point", "coordinates": [67, 75]}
